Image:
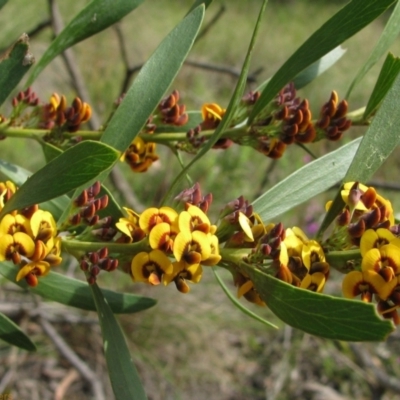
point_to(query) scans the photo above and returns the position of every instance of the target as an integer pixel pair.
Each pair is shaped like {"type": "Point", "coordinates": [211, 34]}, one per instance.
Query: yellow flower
{"type": "Point", "coordinates": [375, 239]}
{"type": "Point", "coordinates": [311, 253]}
{"type": "Point", "coordinates": [195, 219]}
{"type": "Point", "coordinates": [366, 283]}
{"type": "Point", "coordinates": [247, 290]}
{"type": "Point", "coordinates": [11, 224]}
{"type": "Point", "coordinates": [43, 225]}
{"type": "Point", "coordinates": [379, 260]}
{"type": "Point", "coordinates": [150, 267]}
{"type": "Point", "coordinates": [192, 247]}
{"type": "Point", "coordinates": [153, 216]}
{"type": "Point", "coordinates": [183, 272]}
{"type": "Point", "coordinates": [314, 282]}
{"type": "Point", "coordinates": [214, 257]}
{"type": "Point", "coordinates": [129, 226]}
{"type": "Point", "coordinates": [140, 155]}
{"type": "Point", "coordinates": [162, 236]}
{"type": "Point", "coordinates": [12, 247]}
{"type": "Point", "coordinates": [32, 270]}
{"type": "Point", "coordinates": [7, 189]}
{"type": "Point", "coordinates": [212, 114]}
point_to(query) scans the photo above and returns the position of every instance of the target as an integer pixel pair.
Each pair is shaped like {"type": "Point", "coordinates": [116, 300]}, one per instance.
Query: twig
{"type": "Point", "coordinates": [33, 32]}
{"type": "Point", "coordinates": [323, 392]}
{"type": "Point", "coordinates": [71, 65]}
{"type": "Point", "coordinates": [79, 85]}
{"type": "Point", "coordinates": [381, 378]}
{"type": "Point", "coordinates": [211, 24]}
{"type": "Point", "coordinates": [63, 386]}
{"type": "Point", "coordinates": [72, 357]}
{"type": "Point", "coordinates": [251, 78]}
{"type": "Point", "coordinates": [121, 184]}
{"type": "Point", "coordinates": [16, 358]}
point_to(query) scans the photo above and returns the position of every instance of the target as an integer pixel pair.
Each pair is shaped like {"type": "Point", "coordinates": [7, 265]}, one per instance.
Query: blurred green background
{"type": "Point", "coordinates": [199, 346]}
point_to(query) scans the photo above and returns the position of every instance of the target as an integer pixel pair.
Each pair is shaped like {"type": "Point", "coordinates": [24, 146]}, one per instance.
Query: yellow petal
{"type": "Point", "coordinates": [368, 241]}
{"type": "Point", "coordinates": [159, 235]}
{"type": "Point", "coordinates": [5, 242]}
{"type": "Point", "coordinates": [202, 241]}
{"type": "Point", "coordinates": [371, 260]}
{"type": "Point", "coordinates": [245, 224]}
{"type": "Point", "coordinates": [350, 284]}
{"type": "Point", "coordinates": [181, 243]}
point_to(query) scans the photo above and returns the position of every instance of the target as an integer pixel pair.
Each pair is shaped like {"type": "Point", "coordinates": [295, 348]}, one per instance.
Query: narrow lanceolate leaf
{"type": "Point", "coordinates": [344, 24]}
{"type": "Point", "coordinates": [152, 82]}
{"type": "Point", "coordinates": [124, 377]}
{"type": "Point", "coordinates": [19, 175]}
{"type": "Point", "coordinates": [75, 293]}
{"type": "Point", "coordinates": [95, 17]}
{"type": "Point", "coordinates": [69, 170]}
{"type": "Point", "coordinates": [389, 34]}
{"type": "Point", "coordinates": [233, 103]}
{"type": "Point", "coordinates": [307, 182]}
{"type": "Point", "coordinates": [387, 76]}
{"type": "Point", "coordinates": [13, 66]}
{"type": "Point", "coordinates": [61, 205]}
{"type": "Point", "coordinates": [321, 315]}
{"type": "Point", "coordinates": [12, 334]}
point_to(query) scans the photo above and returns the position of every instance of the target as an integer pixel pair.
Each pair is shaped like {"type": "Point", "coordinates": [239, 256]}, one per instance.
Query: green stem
{"type": "Point", "coordinates": [22, 132]}
{"type": "Point", "coordinates": [78, 248]}
{"type": "Point", "coordinates": [340, 259]}
{"type": "Point", "coordinates": [234, 256]}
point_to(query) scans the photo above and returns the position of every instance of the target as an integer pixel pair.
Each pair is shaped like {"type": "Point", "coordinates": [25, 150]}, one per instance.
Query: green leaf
{"type": "Point", "coordinates": [12, 334]}
{"type": "Point", "coordinates": [344, 24]}
{"type": "Point", "coordinates": [319, 314]}
{"type": "Point", "coordinates": [124, 377]}
{"type": "Point", "coordinates": [69, 170]}
{"type": "Point", "coordinates": [95, 17]}
{"type": "Point", "coordinates": [75, 293]}
{"type": "Point", "coordinates": [152, 82]}
{"type": "Point", "coordinates": [389, 35]}
{"type": "Point", "coordinates": [14, 65]}
{"type": "Point", "coordinates": [239, 305]}
{"type": "Point", "coordinates": [61, 206]}
{"type": "Point", "coordinates": [232, 107]}
{"type": "Point", "coordinates": [387, 76]}
{"type": "Point", "coordinates": [50, 151]}
{"type": "Point", "coordinates": [19, 175]}
{"type": "Point", "coordinates": [307, 182]}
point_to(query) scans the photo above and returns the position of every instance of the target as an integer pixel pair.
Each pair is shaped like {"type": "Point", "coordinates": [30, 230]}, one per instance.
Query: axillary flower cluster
{"type": "Point", "coordinates": [367, 224]}
{"type": "Point", "coordinates": [175, 244]}
{"type": "Point", "coordinates": [28, 238]}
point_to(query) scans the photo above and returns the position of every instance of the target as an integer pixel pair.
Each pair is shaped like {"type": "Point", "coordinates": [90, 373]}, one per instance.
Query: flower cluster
{"type": "Point", "coordinates": [28, 238]}
{"type": "Point", "coordinates": [140, 155]}
{"type": "Point", "coordinates": [286, 254]}
{"type": "Point", "coordinates": [57, 114]}
{"type": "Point", "coordinates": [367, 223]}
{"type": "Point", "coordinates": [180, 244]}
{"type": "Point", "coordinates": [288, 120]}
